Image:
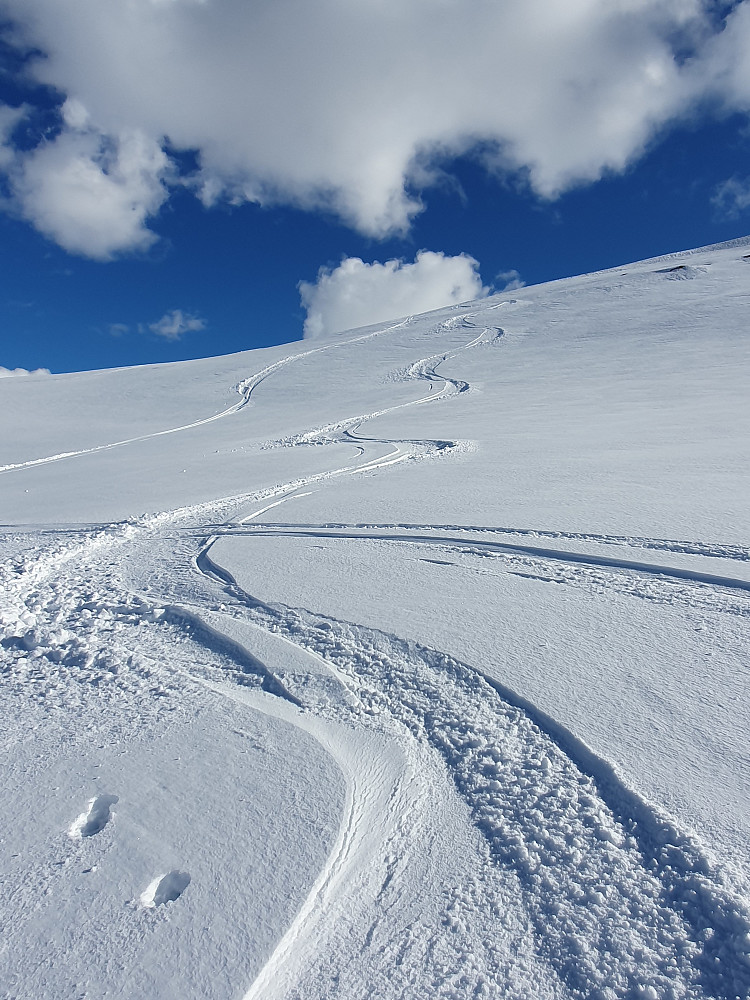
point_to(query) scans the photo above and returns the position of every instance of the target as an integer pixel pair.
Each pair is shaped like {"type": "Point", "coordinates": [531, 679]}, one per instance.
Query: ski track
{"type": "Point", "coordinates": [652, 581]}
{"type": "Point", "coordinates": [621, 903]}
{"type": "Point", "coordinates": [235, 408]}
{"type": "Point", "coordinates": [245, 388]}
{"type": "Point", "coordinates": [737, 552]}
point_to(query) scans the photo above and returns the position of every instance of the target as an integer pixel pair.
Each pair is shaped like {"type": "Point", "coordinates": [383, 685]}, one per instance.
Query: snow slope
{"type": "Point", "coordinates": [410, 663]}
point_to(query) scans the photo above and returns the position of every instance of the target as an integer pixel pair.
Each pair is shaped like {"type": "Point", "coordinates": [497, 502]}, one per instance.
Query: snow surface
{"type": "Point", "coordinates": [411, 663]}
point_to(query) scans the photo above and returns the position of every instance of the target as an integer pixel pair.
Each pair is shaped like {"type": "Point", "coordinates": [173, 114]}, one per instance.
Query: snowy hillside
{"type": "Point", "coordinates": [412, 663]}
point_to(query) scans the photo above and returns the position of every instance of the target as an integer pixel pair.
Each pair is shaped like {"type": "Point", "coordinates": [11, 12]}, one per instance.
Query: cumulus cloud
{"type": "Point", "coordinates": [15, 372]}
{"type": "Point", "coordinates": [175, 324]}
{"type": "Point", "coordinates": [357, 294]}
{"type": "Point", "coordinates": [90, 193]}
{"type": "Point", "coordinates": [349, 106]}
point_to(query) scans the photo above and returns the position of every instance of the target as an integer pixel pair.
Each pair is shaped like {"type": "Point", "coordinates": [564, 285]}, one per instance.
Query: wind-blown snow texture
{"type": "Point", "coordinates": [411, 663]}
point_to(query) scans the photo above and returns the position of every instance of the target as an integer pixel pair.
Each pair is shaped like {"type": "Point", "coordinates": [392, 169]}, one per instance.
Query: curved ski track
{"type": "Point", "coordinates": [245, 388]}
{"type": "Point", "coordinates": [618, 901]}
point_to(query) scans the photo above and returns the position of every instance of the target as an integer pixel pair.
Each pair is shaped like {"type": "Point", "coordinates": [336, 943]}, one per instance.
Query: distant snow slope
{"type": "Point", "coordinates": [409, 664]}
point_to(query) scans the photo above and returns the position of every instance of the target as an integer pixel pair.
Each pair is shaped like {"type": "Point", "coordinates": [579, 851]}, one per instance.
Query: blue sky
{"type": "Point", "coordinates": [198, 249]}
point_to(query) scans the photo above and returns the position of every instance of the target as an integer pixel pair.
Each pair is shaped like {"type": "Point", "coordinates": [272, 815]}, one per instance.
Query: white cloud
{"type": "Point", "coordinates": [15, 372]}
{"type": "Point", "coordinates": [732, 197]}
{"type": "Point", "coordinates": [509, 280]}
{"type": "Point", "coordinates": [724, 65]}
{"type": "Point", "coordinates": [175, 324]}
{"type": "Point", "coordinates": [357, 294]}
{"type": "Point", "coordinates": [345, 105]}
{"type": "Point", "coordinates": [92, 194]}
{"type": "Point", "coordinates": [74, 114]}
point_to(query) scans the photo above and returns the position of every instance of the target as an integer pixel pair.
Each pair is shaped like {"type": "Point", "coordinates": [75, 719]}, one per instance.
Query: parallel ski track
{"type": "Point", "coordinates": [718, 551]}
{"type": "Point", "coordinates": [245, 388]}
{"type": "Point", "coordinates": [448, 542]}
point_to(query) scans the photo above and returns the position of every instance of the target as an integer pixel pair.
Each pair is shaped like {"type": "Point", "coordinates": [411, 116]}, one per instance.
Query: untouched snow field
{"type": "Point", "coordinates": [412, 663]}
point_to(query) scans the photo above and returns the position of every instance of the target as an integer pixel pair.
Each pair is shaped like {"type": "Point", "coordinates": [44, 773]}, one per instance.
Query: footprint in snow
{"type": "Point", "coordinates": [96, 817]}
{"type": "Point", "coordinates": [165, 889]}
